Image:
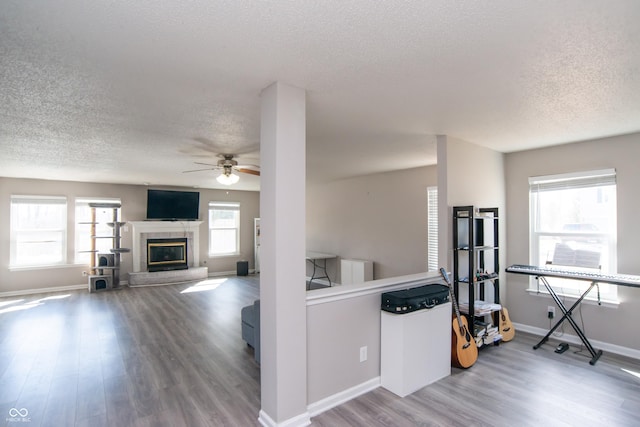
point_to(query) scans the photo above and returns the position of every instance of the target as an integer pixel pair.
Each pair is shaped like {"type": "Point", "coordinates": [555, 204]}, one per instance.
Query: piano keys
{"type": "Point", "coordinates": [615, 279]}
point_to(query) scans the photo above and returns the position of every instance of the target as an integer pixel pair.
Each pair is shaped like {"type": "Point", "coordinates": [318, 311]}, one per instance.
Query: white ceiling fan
{"type": "Point", "coordinates": [227, 165]}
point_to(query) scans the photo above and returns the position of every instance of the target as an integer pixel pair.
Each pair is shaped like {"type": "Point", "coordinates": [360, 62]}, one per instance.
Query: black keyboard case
{"type": "Point", "coordinates": [409, 300]}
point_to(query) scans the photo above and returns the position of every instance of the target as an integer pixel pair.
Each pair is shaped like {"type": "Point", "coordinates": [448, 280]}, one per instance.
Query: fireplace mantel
{"type": "Point", "coordinates": [141, 227]}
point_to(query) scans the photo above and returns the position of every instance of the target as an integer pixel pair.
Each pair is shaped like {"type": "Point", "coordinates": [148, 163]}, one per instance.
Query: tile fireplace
{"type": "Point", "coordinates": [169, 239]}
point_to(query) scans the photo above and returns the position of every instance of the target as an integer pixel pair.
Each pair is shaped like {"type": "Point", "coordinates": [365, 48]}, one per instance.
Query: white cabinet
{"type": "Point", "coordinates": [354, 271]}
{"type": "Point", "coordinates": [415, 348]}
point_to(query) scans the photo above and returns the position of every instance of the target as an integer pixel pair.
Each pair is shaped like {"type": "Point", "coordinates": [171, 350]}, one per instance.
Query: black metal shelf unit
{"type": "Point", "coordinates": [476, 260]}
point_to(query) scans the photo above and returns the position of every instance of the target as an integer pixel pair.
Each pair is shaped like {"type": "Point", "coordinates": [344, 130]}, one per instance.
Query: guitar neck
{"type": "Point", "coordinates": [454, 301]}
{"type": "Point", "coordinates": [456, 309]}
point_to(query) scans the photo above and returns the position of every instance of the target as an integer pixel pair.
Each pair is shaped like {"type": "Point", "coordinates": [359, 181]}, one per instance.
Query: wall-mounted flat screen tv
{"type": "Point", "coordinates": [165, 205]}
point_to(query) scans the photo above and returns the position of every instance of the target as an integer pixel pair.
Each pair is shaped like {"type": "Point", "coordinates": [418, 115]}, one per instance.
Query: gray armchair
{"type": "Point", "coordinates": [251, 327]}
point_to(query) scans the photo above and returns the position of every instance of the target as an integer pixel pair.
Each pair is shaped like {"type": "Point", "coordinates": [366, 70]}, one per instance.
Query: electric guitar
{"type": "Point", "coordinates": [506, 327]}
{"type": "Point", "coordinates": [464, 351]}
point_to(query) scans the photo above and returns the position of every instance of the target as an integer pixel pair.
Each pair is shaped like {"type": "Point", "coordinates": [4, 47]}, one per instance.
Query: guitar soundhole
{"type": "Point", "coordinates": [465, 346]}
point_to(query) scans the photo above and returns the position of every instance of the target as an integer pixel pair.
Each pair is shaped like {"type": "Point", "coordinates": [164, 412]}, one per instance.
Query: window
{"type": "Point", "coordinates": [83, 228]}
{"type": "Point", "coordinates": [432, 229]}
{"type": "Point", "coordinates": [224, 228]}
{"type": "Point", "coordinates": [573, 226]}
{"type": "Point", "coordinates": [38, 231]}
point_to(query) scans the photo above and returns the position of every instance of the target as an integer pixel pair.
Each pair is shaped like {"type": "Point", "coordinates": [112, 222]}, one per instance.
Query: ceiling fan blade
{"type": "Point", "coordinates": [206, 164]}
{"type": "Point", "coordinates": [198, 170]}
{"type": "Point", "coordinates": [246, 165]}
{"type": "Point", "coordinates": [249, 171]}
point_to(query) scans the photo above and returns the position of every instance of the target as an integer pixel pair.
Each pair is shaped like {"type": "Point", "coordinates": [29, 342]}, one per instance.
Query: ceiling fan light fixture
{"type": "Point", "coordinates": [228, 178]}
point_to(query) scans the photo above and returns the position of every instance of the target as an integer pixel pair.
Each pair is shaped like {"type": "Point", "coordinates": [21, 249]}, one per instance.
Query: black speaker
{"type": "Point", "coordinates": [242, 268]}
{"type": "Point", "coordinates": [99, 283]}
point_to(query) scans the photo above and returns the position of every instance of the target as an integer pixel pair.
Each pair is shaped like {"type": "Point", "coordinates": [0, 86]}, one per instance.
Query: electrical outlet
{"type": "Point", "coordinates": [551, 312]}
{"type": "Point", "coordinates": [363, 353]}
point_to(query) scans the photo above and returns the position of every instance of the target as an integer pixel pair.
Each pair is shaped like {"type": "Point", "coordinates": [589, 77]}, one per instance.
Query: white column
{"type": "Point", "coordinates": [283, 321]}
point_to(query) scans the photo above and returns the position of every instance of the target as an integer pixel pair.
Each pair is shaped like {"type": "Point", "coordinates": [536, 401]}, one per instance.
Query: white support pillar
{"type": "Point", "coordinates": [283, 317]}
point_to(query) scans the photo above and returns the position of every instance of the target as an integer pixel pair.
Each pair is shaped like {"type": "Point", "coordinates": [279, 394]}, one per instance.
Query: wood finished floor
{"type": "Point", "coordinates": [152, 356]}
{"type": "Point", "coordinates": [160, 356]}
{"type": "Point", "coordinates": [510, 385]}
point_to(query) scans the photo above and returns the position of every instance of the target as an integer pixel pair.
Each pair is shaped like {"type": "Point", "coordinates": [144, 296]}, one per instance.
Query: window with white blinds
{"type": "Point", "coordinates": [224, 228]}
{"type": "Point", "coordinates": [38, 234]}
{"type": "Point", "coordinates": [432, 229]}
{"type": "Point", "coordinates": [573, 226]}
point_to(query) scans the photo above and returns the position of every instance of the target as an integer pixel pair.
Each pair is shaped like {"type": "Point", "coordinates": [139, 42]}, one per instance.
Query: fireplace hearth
{"type": "Point", "coordinates": [167, 254]}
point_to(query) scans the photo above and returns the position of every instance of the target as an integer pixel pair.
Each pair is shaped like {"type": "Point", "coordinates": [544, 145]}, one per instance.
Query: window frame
{"type": "Point", "coordinates": [226, 206]}
{"type": "Point", "coordinates": [15, 232]}
{"type": "Point", "coordinates": [573, 181]}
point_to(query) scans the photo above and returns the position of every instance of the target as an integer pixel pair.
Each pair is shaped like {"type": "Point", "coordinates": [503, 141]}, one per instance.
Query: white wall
{"type": "Point", "coordinates": [337, 331]}
{"type": "Point", "coordinates": [617, 326]}
{"type": "Point", "coordinates": [134, 199]}
{"type": "Point", "coordinates": [380, 217]}
{"type": "Point", "coordinates": [473, 175]}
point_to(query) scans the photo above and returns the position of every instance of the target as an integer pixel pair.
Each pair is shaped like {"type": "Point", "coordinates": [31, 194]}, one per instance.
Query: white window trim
{"type": "Point", "coordinates": [42, 267]}
{"type": "Point", "coordinates": [560, 181]}
{"type": "Point", "coordinates": [58, 200]}
{"type": "Point", "coordinates": [232, 206]}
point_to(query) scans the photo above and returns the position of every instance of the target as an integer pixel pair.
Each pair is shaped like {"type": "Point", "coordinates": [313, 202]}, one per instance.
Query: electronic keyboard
{"type": "Point", "coordinates": [615, 279]}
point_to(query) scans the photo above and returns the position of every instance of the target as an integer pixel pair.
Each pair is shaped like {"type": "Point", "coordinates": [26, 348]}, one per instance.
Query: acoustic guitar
{"type": "Point", "coordinates": [506, 327]}
{"type": "Point", "coordinates": [464, 351]}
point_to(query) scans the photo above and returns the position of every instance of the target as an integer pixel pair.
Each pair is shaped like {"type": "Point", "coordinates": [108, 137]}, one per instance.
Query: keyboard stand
{"type": "Point", "coordinates": [595, 355]}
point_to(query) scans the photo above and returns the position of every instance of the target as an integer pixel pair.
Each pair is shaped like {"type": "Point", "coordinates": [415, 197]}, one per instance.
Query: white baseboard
{"type": "Point", "coordinates": [321, 406]}
{"type": "Point", "coordinates": [327, 403]}
{"type": "Point", "coordinates": [574, 339]}
{"type": "Point", "coordinates": [297, 421]}
{"type": "Point", "coordinates": [43, 290]}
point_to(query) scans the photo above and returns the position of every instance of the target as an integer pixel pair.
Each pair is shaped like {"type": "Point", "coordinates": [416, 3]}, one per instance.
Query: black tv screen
{"type": "Point", "coordinates": [164, 205]}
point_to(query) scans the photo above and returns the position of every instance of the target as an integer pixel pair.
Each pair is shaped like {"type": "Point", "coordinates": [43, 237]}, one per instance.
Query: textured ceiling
{"type": "Point", "coordinates": [134, 92]}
